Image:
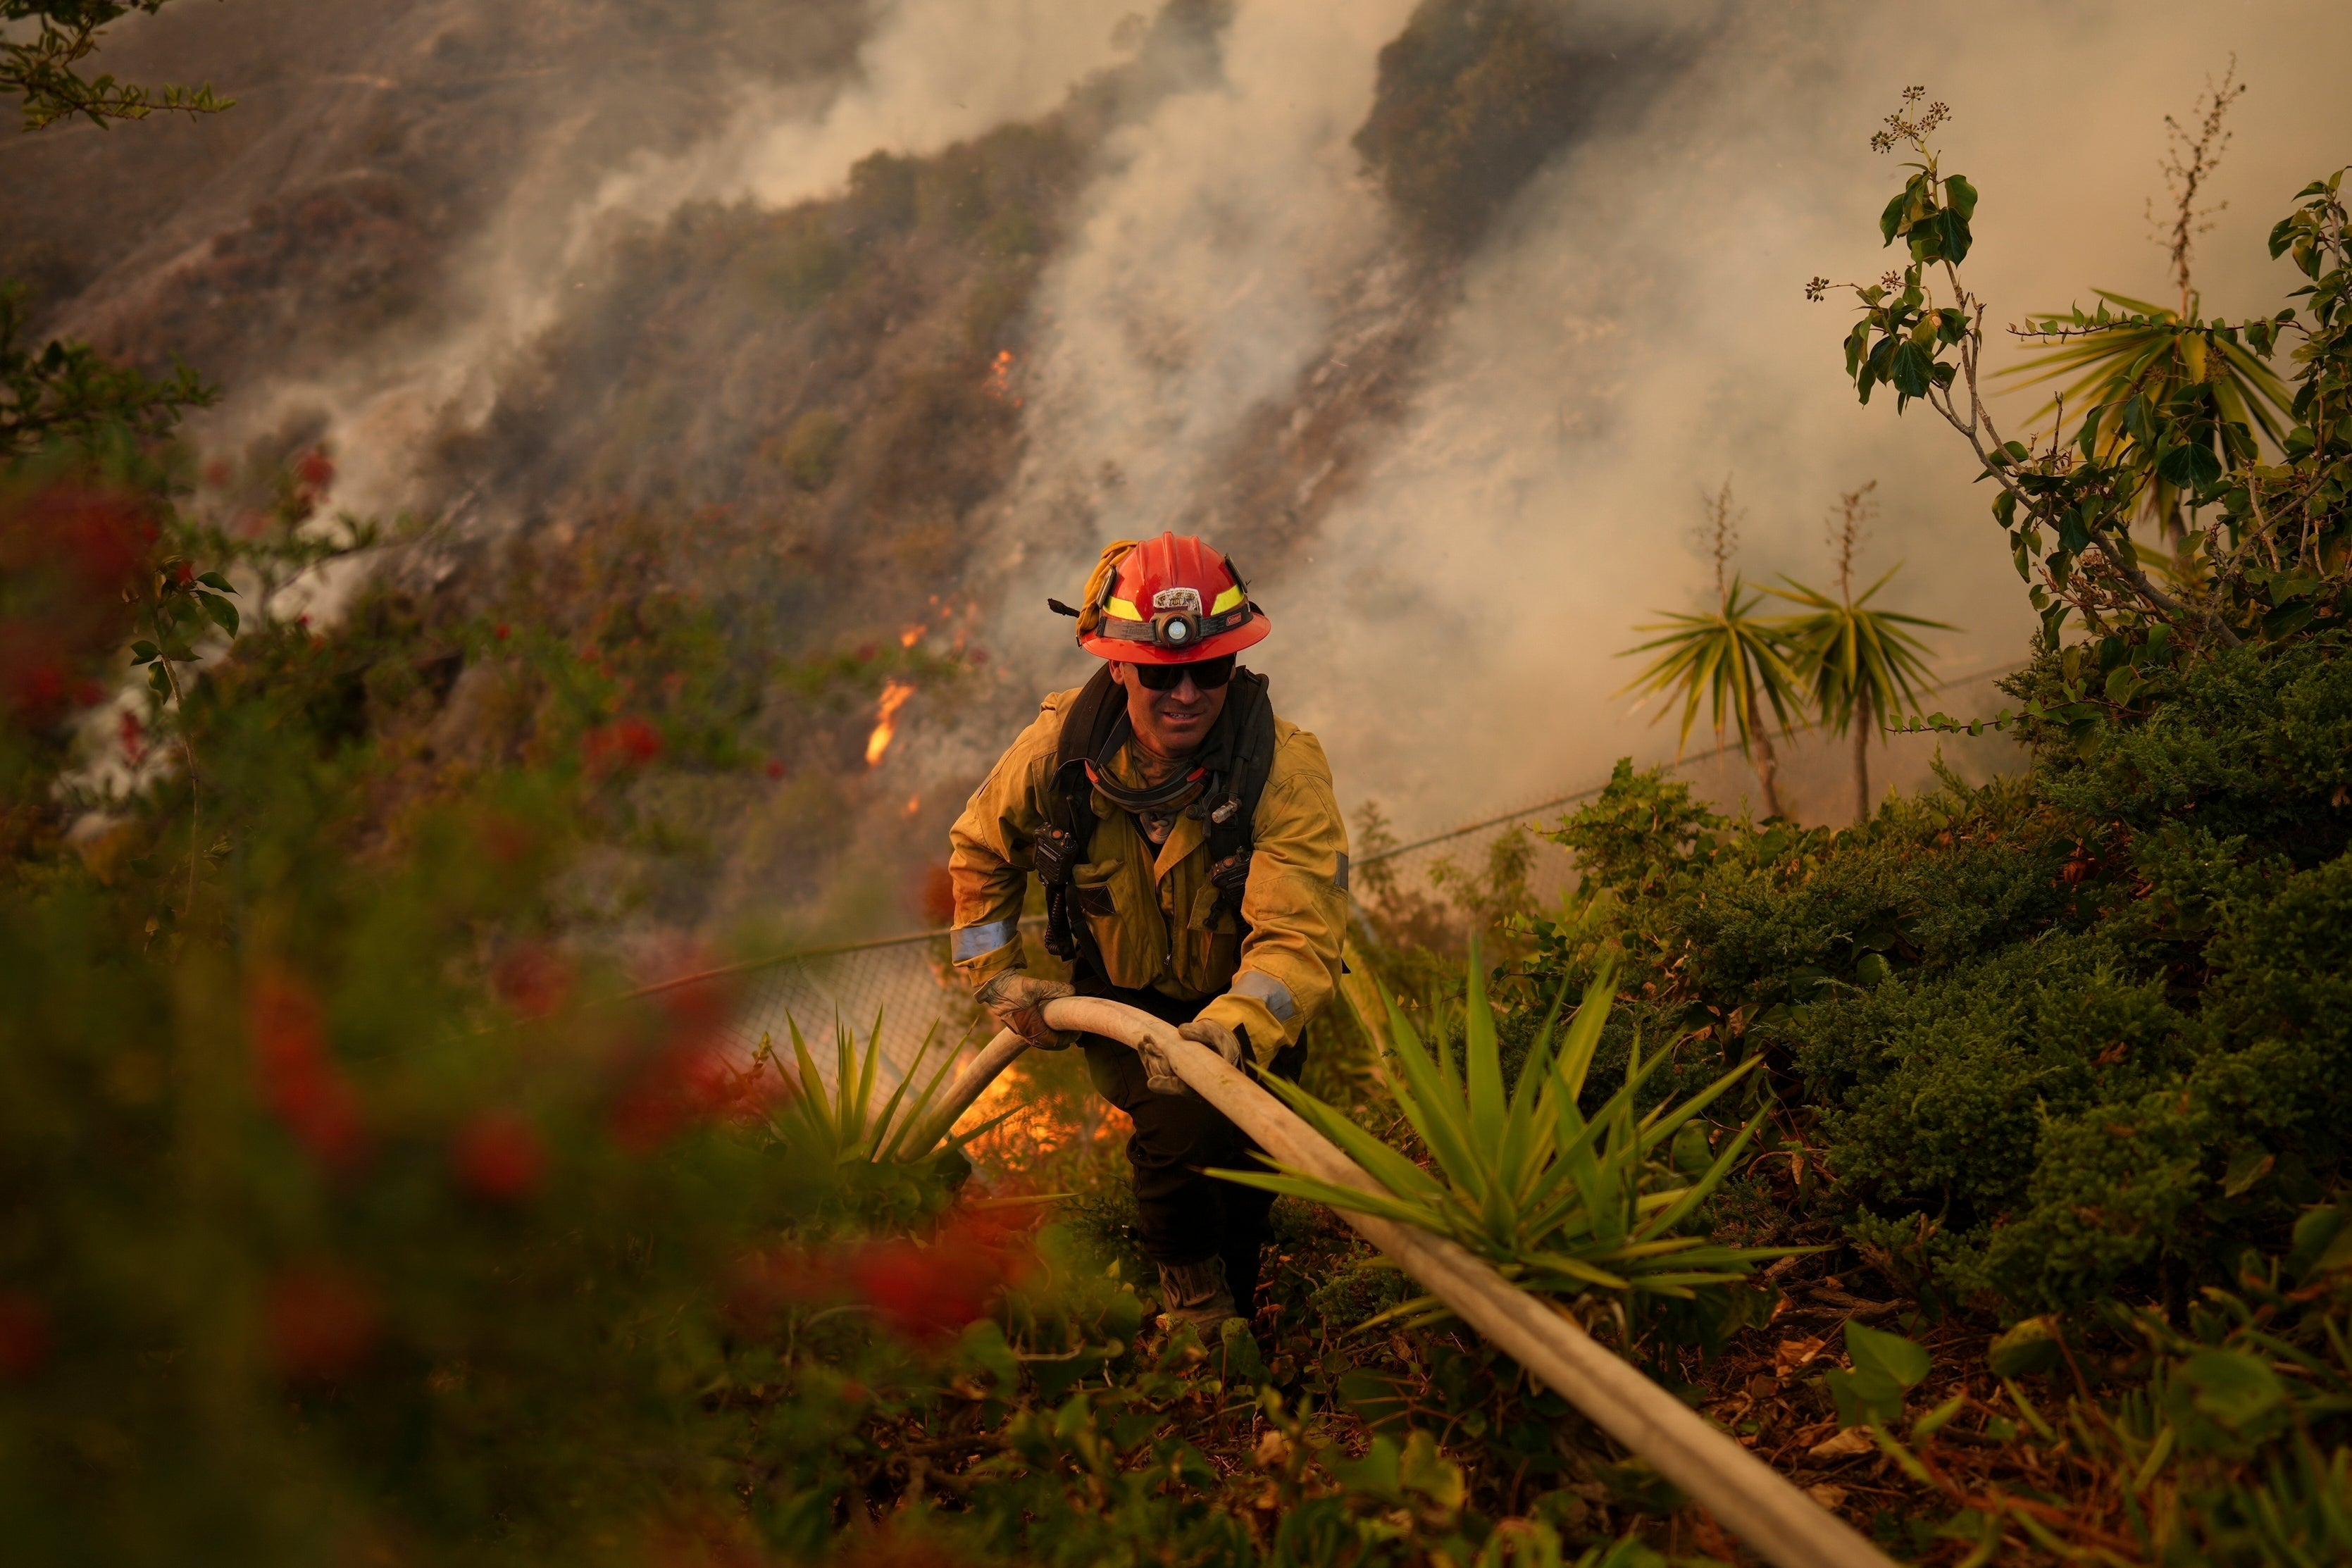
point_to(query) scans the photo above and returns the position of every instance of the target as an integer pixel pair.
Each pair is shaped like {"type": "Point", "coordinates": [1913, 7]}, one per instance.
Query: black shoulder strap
{"type": "Point", "coordinates": [1250, 710]}
{"type": "Point", "coordinates": [1086, 724]}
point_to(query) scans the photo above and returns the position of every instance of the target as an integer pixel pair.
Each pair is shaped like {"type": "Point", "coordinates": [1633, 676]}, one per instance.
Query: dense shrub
{"type": "Point", "coordinates": [2059, 1036]}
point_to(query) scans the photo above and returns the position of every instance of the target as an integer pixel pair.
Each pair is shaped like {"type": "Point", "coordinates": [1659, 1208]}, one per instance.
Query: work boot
{"type": "Point", "coordinates": [1196, 1293]}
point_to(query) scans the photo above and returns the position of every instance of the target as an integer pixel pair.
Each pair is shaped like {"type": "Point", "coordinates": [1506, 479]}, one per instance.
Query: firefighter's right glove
{"type": "Point", "coordinates": [1160, 1073]}
{"type": "Point", "coordinates": [1016, 1001]}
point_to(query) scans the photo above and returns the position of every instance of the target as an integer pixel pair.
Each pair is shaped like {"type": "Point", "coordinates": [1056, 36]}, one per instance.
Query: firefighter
{"type": "Point", "coordinates": [1194, 865]}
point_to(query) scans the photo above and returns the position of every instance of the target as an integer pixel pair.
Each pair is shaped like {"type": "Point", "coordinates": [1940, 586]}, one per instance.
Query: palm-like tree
{"type": "Point", "coordinates": [2120, 367]}
{"type": "Point", "coordinates": [1732, 659]}
{"type": "Point", "coordinates": [1857, 664]}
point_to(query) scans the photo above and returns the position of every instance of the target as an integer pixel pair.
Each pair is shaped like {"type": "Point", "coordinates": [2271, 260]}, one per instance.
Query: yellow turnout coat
{"type": "Point", "coordinates": [1153, 912]}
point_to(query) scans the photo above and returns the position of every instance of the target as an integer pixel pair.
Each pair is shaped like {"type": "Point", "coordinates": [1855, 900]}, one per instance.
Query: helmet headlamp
{"type": "Point", "coordinates": [1176, 628]}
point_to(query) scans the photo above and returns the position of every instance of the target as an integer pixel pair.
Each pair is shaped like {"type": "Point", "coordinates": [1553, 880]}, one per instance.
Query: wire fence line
{"type": "Point", "coordinates": [902, 989]}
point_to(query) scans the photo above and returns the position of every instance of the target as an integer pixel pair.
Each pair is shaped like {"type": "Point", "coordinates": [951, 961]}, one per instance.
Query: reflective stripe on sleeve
{"type": "Point", "coordinates": [1265, 988]}
{"type": "Point", "coordinates": [970, 942]}
{"type": "Point", "coordinates": [1340, 877]}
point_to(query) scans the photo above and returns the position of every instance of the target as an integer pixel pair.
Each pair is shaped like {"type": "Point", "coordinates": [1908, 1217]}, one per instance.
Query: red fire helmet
{"type": "Point", "coordinates": [1170, 600]}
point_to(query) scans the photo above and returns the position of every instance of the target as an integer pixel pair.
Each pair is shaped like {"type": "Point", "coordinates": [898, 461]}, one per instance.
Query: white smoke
{"type": "Point", "coordinates": [930, 72]}
{"type": "Point", "coordinates": [1198, 282]}
{"type": "Point", "coordinates": [1635, 333]}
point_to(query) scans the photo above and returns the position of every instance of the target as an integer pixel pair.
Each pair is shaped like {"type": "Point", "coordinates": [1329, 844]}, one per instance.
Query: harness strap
{"type": "Point", "coordinates": [1226, 784]}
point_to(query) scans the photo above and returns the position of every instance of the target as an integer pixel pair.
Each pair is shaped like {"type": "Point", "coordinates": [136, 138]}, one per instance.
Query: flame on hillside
{"type": "Point", "coordinates": [885, 719]}
{"type": "Point", "coordinates": [999, 384]}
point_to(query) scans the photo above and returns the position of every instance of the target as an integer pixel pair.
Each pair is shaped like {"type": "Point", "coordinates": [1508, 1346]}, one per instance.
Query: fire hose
{"type": "Point", "coordinates": [1748, 1497]}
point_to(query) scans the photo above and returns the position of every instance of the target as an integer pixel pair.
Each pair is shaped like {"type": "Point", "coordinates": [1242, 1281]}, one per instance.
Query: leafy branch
{"type": "Point", "coordinates": [42, 69]}
{"type": "Point", "coordinates": [1928, 345]}
{"type": "Point", "coordinates": [66, 392]}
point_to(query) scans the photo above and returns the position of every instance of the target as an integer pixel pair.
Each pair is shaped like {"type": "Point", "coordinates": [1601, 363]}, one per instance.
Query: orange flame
{"type": "Point", "coordinates": [912, 635]}
{"type": "Point", "coordinates": [886, 720]}
{"type": "Point", "coordinates": [914, 804]}
{"type": "Point", "coordinates": [999, 384]}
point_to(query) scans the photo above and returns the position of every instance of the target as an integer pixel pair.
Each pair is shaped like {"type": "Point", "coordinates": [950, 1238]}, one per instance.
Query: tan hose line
{"type": "Point", "coordinates": [1750, 1500]}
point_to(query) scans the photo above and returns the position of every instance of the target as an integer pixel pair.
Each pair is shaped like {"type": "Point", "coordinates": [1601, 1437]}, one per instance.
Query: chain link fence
{"type": "Point", "coordinates": [903, 988]}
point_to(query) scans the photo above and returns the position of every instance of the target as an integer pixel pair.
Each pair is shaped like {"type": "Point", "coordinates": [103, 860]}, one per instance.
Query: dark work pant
{"type": "Point", "coordinates": [1182, 1215]}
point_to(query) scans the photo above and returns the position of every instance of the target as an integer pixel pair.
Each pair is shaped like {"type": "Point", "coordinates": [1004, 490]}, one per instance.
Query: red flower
{"type": "Point", "coordinates": [500, 1156]}
{"type": "Point", "coordinates": [775, 769]}
{"type": "Point", "coordinates": [315, 469]}
{"type": "Point", "coordinates": [298, 1080]}
{"type": "Point", "coordinates": [135, 738]}
{"type": "Point", "coordinates": [927, 1294]}
{"type": "Point", "coordinates": [501, 631]}
{"type": "Point", "coordinates": [627, 743]}
{"type": "Point", "coordinates": [322, 1321]}
{"type": "Point", "coordinates": [26, 1335]}
{"type": "Point", "coordinates": [533, 980]}
{"type": "Point", "coordinates": [682, 1076]}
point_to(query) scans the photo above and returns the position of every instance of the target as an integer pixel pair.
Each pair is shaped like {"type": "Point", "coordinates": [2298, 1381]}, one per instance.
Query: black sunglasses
{"type": "Point", "coordinates": [1208, 674]}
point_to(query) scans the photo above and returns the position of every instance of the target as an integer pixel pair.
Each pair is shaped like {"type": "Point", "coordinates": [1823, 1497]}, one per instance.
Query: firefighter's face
{"type": "Point", "coordinates": [1171, 723]}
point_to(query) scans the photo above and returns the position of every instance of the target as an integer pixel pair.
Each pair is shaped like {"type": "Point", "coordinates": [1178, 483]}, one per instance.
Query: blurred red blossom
{"type": "Point", "coordinates": [925, 1290]}
{"type": "Point", "coordinates": [298, 1080]}
{"type": "Point", "coordinates": [70, 559]}
{"type": "Point", "coordinates": [500, 1156]}
{"type": "Point", "coordinates": [322, 1321]}
{"type": "Point", "coordinates": [681, 1075]}
{"type": "Point", "coordinates": [135, 738]}
{"type": "Point", "coordinates": [534, 980]}
{"type": "Point", "coordinates": [315, 469]}
{"type": "Point", "coordinates": [26, 1335]}
{"type": "Point", "coordinates": [626, 742]}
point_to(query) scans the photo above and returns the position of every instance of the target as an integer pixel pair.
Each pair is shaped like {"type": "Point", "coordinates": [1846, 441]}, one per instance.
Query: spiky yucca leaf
{"type": "Point", "coordinates": [1859, 662]}
{"type": "Point", "coordinates": [1556, 1201]}
{"type": "Point", "coordinates": [842, 1120]}
{"type": "Point", "coordinates": [1728, 659]}
{"type": "Point", "coordinates": [2117, 367]}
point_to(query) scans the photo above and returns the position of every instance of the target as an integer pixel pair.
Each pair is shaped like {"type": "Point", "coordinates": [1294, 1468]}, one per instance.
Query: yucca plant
{"type": "Point", "coordinates": [1559, 1203]}
{"type": "Point", "coordinates": [1730, 657]}
{"type": "Point", "coordinates": [841, 1124]}
{"type": "Point", "coordinates": [1860, 665]}
{"type": "Point", "coordinates": [2159, 390]}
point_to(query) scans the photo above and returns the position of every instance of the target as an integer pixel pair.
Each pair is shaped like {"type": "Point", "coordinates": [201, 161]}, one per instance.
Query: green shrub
{"type": "Point", "coordinates": [2059, 1036]}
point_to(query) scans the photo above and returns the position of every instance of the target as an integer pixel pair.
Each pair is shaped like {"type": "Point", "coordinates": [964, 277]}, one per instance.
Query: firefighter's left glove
{"type": "Point", "coordinates": [1017, 1001]}
{"type": "Point", "coordinates": [1160, 1073]}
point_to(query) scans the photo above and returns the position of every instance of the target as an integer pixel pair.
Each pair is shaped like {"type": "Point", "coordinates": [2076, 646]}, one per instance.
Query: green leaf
{"type": "Point", "coordinates": [215, 580]}
{"type": "Point", "coordinates": [2232, 1388]}
{"type": "Point", "coordinates": [1890, 222]}
{"type": "Point", "coordinates": [2031, 1346]}
{"type": "Point", "coordinates": [2246, 1167]}
{"type": "Point", "coordinates": [1899, 1359]}
{"type": "Point", "coordinates": [223, 612]}
{"type": "Point", "coordinates": [1962, 196]}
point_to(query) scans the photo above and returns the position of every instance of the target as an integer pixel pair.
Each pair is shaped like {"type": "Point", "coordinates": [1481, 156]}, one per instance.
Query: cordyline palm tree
{"type": "Point", "coordinates": [1856, 664]}
{"type": "Point", "coordinates": [1732, 659]}
{"type": "Point", "coordinates": [2119, 367]}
